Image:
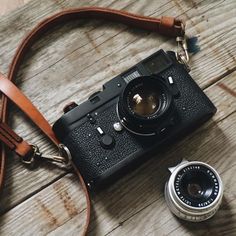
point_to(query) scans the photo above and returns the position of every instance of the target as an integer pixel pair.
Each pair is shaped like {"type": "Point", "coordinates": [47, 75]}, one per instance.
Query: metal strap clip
{"type": "Point", "coordinates": [182, 52]}
{"type": "Point", "coordinates": [64, 157]}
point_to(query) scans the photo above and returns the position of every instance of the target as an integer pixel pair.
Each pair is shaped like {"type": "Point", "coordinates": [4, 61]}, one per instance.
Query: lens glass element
{"type": "Point", "coordinates": [144, 100]}
{"type": "Point", "coordinates": [196, 185]}
{"type": "Point", "coordinates": [194, 190]}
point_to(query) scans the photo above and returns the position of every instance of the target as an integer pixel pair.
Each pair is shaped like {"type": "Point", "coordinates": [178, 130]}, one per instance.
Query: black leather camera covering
{"type": "Point", "coordinates": [100, 165]}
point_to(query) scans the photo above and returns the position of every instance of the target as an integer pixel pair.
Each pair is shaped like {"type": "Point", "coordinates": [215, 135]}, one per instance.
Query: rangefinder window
{"type": "Point", "coordinates": [157, 63]}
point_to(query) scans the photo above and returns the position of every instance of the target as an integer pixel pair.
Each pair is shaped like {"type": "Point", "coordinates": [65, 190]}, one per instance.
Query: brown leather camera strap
{"type": "Point", "coordinates": [166, 25]}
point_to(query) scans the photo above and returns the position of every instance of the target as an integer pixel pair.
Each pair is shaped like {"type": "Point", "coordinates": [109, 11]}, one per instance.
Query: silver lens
{"type": "Point", "coordinates": [194, 191]}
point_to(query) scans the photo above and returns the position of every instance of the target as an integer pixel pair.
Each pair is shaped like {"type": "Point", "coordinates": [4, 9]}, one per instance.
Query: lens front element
{"type": "Point", "coordinates": [144, 100]}
{"type": "Point", "coordinates": [194, 191]}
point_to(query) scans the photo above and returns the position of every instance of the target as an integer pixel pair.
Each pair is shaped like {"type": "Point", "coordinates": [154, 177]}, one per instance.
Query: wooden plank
{"type": "Point", "coordinates": [70, 63]}
{"type": "Point", "coordinates": [135, 205]}
{"type": "Point", "coordinates": [54, 90]}
{"type": "Point", "coordinates": [156, 219]}
{"type": "Point", "coordinates": [47, 210]}
{"type": "Point", "coordinates": [213, 143]}
{"type": "Point", "coordinates": [105, 52]}
{"type": "Point", "coordinates": [94, 78]}
{"type": "Point", "coordinates": [9, 5]}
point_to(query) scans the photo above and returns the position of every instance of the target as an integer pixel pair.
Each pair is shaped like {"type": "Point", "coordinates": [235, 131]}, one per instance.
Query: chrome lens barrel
{"type": "Point", "coordinates": [194, 191]}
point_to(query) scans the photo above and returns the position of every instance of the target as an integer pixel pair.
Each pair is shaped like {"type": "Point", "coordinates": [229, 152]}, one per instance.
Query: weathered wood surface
{"type": "Point", "coordinates": [74, 60]}
{"type": "Point", "coordinates": [9, 5]}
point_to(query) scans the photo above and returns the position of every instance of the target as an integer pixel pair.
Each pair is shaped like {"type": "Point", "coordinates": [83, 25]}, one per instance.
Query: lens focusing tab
{"type": "Point", "coordinates": [194, 191]}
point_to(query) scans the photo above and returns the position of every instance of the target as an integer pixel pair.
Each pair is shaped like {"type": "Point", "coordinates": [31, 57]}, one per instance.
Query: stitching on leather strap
{"type": "Point", "coordinates": [9, 132]}
{"type": "Point", "coordinates": [3, 138]}
{"type": "Point", "coordinates": [7, 136]}
{"type": "Point", "coordinates": [13, 141]}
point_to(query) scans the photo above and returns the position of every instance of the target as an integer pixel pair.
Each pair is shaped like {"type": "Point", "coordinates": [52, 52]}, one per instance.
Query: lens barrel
{"type": "Point", "coordinates": [194, 191]}
{"type": "Point", "coordinates": [144, 104]}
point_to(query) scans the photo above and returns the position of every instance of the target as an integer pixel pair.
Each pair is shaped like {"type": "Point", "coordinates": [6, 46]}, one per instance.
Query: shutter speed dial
{"type": "Point", "coordinates": [107, 141]}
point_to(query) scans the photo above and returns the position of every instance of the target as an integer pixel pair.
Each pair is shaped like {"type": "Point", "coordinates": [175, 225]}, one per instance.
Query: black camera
{"type": "Point", "coordinates": [143, 109]}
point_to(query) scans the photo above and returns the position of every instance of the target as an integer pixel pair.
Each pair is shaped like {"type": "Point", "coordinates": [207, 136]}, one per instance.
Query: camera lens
{"type": "Point", "coordinates": [194, 191]}
{"type": "Point", "coordinates": [144, 100]}
{"type": "Point", "coordinates": [144, 103]}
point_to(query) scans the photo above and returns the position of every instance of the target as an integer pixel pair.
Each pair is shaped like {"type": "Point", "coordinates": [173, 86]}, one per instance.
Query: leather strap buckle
{"type": "Point", "coordinates": [31, 159]}
{"type": "Point", "coordinates": [171, 26]}
{"type": "Point", "coordinates": [64, 157]}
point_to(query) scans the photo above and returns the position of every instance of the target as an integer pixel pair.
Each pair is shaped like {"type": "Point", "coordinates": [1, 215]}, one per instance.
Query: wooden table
{"type": "Point", "coordinates": [73, 61]}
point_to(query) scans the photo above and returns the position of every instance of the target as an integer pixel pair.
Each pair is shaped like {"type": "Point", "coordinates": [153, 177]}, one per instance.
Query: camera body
{"type": "Point", "coordinates": [107, 138]}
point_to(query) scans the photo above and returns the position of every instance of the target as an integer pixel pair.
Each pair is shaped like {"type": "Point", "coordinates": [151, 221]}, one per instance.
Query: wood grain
{"type": "Point", "coordinates": [60, 90]}
{"type": "Point", "coordinates": [7, 6]}
{"type": "Point", "coordinates": [138, 199]}
{"type": "Point", "coordinates": [47, 210]}
{"type": "Point", "coordinates": [74, 60]}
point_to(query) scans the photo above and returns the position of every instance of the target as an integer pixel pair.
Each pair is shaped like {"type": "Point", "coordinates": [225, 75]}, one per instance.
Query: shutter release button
{"type": "Point", "coordinates": [107, 141]}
